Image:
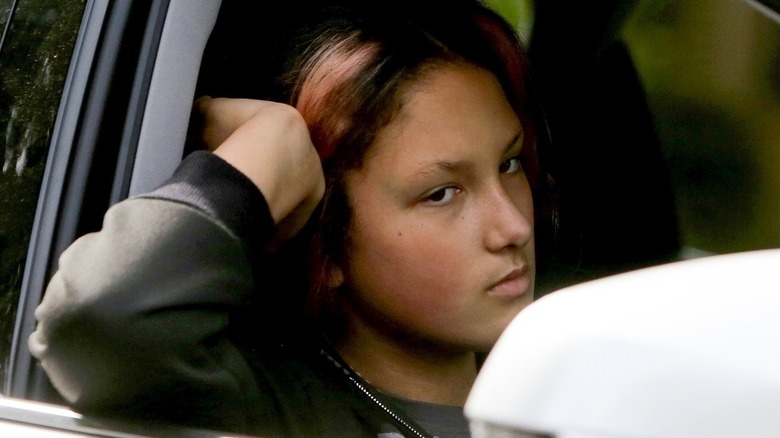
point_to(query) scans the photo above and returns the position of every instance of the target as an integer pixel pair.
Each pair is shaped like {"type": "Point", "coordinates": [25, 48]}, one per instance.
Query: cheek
{"type": "Point", "coordinates": [406, 266]}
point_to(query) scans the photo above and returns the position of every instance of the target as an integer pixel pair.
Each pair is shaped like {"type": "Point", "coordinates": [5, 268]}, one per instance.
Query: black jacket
{"type": "Point", "coordinates": [146, 320]}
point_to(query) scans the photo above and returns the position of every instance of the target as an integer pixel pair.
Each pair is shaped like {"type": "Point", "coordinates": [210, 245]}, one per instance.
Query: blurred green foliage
{"type": "Point", "coordinates": [520, 13]}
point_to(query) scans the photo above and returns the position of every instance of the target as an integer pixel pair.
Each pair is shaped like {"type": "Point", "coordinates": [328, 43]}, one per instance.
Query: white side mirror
{"type": "Point", "coordinates": [689, 349]}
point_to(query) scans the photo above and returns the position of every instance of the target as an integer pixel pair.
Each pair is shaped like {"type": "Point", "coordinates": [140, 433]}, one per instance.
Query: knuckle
{"type": "Point", "coordinates": [288, 115]}
{"type": "Point", "coordinates": [292, 122]}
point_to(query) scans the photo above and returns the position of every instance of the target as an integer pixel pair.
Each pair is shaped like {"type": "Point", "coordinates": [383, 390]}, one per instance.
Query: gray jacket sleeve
{"type": "Point", "coordinates": [136, 320]}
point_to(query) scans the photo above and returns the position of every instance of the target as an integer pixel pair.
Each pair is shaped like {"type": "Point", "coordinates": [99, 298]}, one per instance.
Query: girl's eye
{"type": "Point", "coordinates": [442, 196]}
{"type": "Point", "coordinates": [510, 166]}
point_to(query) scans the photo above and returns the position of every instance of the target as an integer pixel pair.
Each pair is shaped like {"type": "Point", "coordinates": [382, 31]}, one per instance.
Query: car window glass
{"type": "Point", "coordinates": [5, 11]}
{"type": "Point", "coordinates": [712, 75]}
{"type": "Point", "coordinates": [34, 59]}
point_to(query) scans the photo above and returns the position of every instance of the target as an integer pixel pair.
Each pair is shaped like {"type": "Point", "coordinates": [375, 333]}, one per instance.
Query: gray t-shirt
{"type": "Point", "coordinates": [441, 421]}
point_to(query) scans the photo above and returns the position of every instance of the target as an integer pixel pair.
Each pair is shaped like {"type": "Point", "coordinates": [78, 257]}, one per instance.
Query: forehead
{"type": "Point", "coordinates": [453, 112]}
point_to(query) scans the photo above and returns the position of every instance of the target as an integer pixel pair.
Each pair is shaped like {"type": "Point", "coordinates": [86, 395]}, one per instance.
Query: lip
{"type": "Point", "coordinates": [513, 285]}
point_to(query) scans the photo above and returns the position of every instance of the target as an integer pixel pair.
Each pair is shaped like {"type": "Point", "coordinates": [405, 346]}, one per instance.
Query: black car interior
{"type": "Point", "coordinates": [617, 210]}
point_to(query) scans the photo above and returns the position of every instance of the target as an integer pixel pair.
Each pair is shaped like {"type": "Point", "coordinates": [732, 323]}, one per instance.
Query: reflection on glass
{"type": "Point", "coordinates": [5, 13]}
{"type": "Point", "coordinates": [33, 63]}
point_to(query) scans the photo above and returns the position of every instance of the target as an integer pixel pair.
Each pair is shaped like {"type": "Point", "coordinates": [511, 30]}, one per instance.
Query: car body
{"type": "Point", "coordinates": [678, 350]}
{"type": "Point", "coordinates": [96, 99]}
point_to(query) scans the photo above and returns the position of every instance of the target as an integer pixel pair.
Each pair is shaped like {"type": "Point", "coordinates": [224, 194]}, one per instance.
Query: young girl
{"type": "Point", "coordinates": [407, 158]}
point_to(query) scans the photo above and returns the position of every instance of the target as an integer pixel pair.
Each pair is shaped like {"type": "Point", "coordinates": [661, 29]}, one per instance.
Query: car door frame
{"type": "Point", "coordinates": [119, 131]}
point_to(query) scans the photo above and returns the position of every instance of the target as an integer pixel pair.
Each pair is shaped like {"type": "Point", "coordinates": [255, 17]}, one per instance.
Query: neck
{"type": "Point", "coordinates": [408, 369]}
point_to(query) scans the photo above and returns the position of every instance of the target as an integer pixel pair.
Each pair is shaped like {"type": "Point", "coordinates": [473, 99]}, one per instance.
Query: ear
{"type": "Point", "coordinates": [335, 276]}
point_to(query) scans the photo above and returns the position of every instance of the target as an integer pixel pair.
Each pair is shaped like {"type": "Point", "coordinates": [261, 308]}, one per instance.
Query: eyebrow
{"type": "Point", "coordinates": [459, 166]}
{"type": "Point", "coordinates": [440, 165]}
{"type": "Point", "coordinates": [514, 141]}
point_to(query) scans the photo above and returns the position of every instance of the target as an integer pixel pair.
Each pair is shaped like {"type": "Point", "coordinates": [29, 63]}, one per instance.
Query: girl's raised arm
{"type": "Point", "coordinates": [137, 321]}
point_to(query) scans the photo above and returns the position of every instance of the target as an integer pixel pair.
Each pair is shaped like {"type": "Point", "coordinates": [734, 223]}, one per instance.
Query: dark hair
{"type": "Point", "coordinates": [346, 68]}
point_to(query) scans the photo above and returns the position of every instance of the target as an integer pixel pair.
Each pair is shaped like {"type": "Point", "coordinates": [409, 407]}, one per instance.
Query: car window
{"type": "Point", "coordinates": [711, 71]}
{"type": "Point", "coordinates": [38, 39]}
{"type": "Point", "coordinates": [5, 12]}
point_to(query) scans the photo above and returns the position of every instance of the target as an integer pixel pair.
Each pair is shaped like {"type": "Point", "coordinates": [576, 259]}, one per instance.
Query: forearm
{"type": "Point", "coordinates": [211, 185]}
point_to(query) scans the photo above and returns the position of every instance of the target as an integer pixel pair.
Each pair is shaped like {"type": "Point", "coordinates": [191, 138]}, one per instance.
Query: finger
{"type": "Point", "coordinates": [223, 116]}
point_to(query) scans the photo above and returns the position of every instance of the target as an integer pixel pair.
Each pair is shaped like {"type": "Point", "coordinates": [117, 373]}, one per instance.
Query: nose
{"type": "Point", "coordinates": [508, 220]}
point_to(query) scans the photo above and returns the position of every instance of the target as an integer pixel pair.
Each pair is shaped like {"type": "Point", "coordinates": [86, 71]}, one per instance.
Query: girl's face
{"type": "Point", "coordinates": [441, 242]}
